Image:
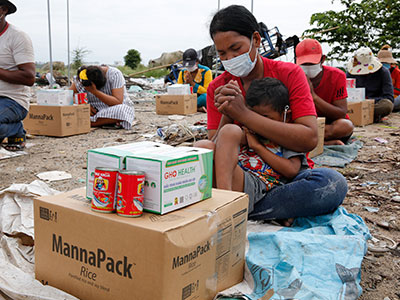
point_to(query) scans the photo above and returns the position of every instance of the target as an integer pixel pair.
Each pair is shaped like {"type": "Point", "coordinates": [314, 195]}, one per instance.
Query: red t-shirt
{"type": "Point", "coordinates": [332, 86]}
{"type": "Point", "coordinates": [291, 75]}
{"type": "Point", "coordinates": [395, 74]}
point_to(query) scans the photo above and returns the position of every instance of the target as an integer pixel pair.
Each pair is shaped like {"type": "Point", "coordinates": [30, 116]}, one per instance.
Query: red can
{"type": "Point", "coordinates": [130, 193]}
{"type": "Point", "coordinates": [81, 98]}
{"type": "Point", "coordinates": [104, 189]}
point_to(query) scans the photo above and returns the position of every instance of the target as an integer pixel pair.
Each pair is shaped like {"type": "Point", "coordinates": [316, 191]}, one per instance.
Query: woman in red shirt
{"type": "Point", "coordinates": [235, 33]}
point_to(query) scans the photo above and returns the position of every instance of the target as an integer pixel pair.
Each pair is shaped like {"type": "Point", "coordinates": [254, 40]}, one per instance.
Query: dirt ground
{"type": "Point", "coordinates": [373, 178]}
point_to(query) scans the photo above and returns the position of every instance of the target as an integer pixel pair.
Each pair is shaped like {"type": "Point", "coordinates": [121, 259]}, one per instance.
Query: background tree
{"type": "Point", "coordinates": [371, 23]}
{"type": "Point", "coordinates": [132, 58]}
{"type": "Point", "coordinates": [78, 54]}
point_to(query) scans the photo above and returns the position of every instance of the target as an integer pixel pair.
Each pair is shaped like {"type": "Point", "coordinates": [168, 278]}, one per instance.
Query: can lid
{"type": "Point", "coordinates": [130, 172]}
{"type": "Point", "coordinates": [107, 169]}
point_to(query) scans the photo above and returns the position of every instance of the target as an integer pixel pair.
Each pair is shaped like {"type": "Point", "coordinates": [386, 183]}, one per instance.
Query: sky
{"type": "Point", "coordinates": [108, 29]}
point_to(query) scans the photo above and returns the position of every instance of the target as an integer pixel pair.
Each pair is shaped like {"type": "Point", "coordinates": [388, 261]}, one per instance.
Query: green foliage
{"type": "Point", "coordinates": [78, 54]}
{"type": "Point", "coordinates": [132, 58]}
{"type": "Point", "coordinates": [371, 23]}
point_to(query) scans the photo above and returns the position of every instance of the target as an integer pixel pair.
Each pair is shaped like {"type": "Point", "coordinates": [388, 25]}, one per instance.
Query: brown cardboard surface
{"type": "Point", "coordinates": [58, 120]}
{"type": "Point", "coordinates": [176, 104]}
{"type": "Point", "coordinates": [361, 113]}
{"type": "Point", "coordinates": [321, 134]}
{"type": "Point", "coordinates": [187, 254]}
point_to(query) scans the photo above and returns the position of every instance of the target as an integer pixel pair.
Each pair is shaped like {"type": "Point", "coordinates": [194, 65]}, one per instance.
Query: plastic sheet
{"type": "Point", "coordinates": [317, 258]}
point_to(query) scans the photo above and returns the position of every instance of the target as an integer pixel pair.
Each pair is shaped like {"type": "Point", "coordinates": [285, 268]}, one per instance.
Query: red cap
{"type": "Point", "coordinates": [308, 51]}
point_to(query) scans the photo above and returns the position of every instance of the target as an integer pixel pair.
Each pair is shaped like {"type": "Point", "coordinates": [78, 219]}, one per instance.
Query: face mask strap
{"type": "Point", "coordinates": [284, 114]}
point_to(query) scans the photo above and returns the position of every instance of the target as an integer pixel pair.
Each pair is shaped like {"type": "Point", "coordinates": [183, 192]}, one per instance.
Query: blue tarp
{"type": "Point", "coordinates": [338, 155]}
{"type": "Point", "coordinates": [317, 258]}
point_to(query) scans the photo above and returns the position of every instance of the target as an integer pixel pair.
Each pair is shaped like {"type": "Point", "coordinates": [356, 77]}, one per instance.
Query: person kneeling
{"type": "Point", "coordinates": [249, 163]}
{"type": "Point", "coordinates": [328, 89]}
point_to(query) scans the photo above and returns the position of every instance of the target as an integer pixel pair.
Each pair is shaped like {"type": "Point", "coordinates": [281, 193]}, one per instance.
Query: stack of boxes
{"type": "Point", "coordinates": [193, 252]}
{"type": "Point", "coordinates": [359, 109]}
{"type": "Point", "coordinates": [56, 115]}
{"type": "Point", "coordinates": [179, 101]}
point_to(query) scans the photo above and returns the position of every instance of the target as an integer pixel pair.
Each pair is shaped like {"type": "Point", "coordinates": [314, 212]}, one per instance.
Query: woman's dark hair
{"type": "Point", "coordinates": [96, 75]}
{"type": "Point", "coordinates": [234, 18]}
{"type": "Point", "coordinates": [268, 91]}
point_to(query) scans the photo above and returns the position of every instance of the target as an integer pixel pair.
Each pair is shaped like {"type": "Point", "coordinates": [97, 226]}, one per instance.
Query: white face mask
{"type": "Point", "coordinates": [240, 66]}
{"type": "Point", "coordinates": [312, 71]}
{"type": "Point", "coordinates": [192, 69]}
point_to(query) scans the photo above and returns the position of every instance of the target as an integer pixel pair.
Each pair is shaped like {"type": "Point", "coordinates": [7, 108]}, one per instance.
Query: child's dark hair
{"type": "Point", "coordinates": [268, 91]}
{"type": "Point", "coordinates": [234, 18]}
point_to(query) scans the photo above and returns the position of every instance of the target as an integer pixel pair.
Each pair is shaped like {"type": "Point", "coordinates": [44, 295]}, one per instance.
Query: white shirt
{"type": "Point", "coordinates": [15, 49]}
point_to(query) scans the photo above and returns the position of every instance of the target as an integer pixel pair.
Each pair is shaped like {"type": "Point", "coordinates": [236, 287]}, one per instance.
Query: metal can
{"type": "Point", "coordinates": [104, 189]}
{"type": "Point", "coordinates": [81, 98]}
{"type": "Point", "coordinates": [130, 193]}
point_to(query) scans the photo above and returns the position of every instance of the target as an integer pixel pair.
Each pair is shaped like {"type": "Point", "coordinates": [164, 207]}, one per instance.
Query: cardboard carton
{"type": "Point", "coordinates": [58, 120]}
{"type": "Point", "coordinates": [55, 97]}
{"type": "Point", "coordinates": [188, 254]}
{"type": "Point", "coordinates": [174, 177]}
{"type": "Point", "coordinates": [355, 94]}
{"type": "Point", "coordinates": [321, 137]}
{"type": "Point", "coordinates": [361, 113]}
{"type": "Point", "coordinates": [176, 104]}
{"type": "Point", "coordinates": [114, 157]}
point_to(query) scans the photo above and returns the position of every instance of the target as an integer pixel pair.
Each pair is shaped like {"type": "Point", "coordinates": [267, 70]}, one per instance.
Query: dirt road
{"type": "Point", "coordinates": [374, 182]}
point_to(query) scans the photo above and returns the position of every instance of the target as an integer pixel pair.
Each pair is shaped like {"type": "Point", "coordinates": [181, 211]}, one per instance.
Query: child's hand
{"type": "Point", "coordinates": [252, 139]}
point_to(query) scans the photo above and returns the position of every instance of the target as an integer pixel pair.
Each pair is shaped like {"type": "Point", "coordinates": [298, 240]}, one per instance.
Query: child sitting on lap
{"type": "Point", "coordinates": [260, 164]}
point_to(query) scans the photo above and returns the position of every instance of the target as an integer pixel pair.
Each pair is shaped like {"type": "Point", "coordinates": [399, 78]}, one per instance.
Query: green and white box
{"type": "Point", "coordinates": [174, 178]}
{"type": "Point", "coordinates": [114, 157]}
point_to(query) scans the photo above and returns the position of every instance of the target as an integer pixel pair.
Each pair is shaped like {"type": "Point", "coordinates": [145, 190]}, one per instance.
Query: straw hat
{"type": "Point", "coordinates": [363, 62]}
{"type": "Point", "coordinates": [385, 56]}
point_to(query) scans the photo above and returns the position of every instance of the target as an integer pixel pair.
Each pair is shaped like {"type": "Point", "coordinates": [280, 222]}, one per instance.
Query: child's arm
{"type": "Point", "coordinates": [288, 168]}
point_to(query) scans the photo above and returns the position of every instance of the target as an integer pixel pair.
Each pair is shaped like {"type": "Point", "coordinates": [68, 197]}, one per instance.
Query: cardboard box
{"type": "Point", "coordinates": [355, 94]}
{"type": "Point", "coordinates": [176, 104]}
{"type": "Point", "coordinates": [188, 254]}
{"type": "Point", "coordinates": [114, 157]}
{"type": "Point", "coordinates": [55, 97]}
{"type": "Point", "coordinates": [361, 113]}
{"type": "Point", "coordinates": [174, 177]}
{"type": "Point", "coordinates": [321, 137]}
{"type": "Point", "coordinates": [58, 120]}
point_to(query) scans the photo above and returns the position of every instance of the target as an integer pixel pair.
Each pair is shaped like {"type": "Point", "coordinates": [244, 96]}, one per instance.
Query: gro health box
{"type": "Point", "coordinates": [175, 177]}
{"type": "Point", "coordinates": [114, 157]}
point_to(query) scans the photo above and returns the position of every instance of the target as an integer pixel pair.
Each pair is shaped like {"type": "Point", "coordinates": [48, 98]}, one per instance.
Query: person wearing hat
{"type": "Point", "coordinates": [387, 60]}
{"type": "Point", "coordinates": [328, 90]}
{"type": "Point", "coordinates": [369, 74]}
{"type": "Point", "coordinates": [197, 75]}
{"type": "Point", "coordinates": [17, 72]}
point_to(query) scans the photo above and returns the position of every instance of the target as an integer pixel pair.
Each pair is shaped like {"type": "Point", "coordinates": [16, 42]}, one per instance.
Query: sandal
{"type": "Point", "coordinates": [15, 143]}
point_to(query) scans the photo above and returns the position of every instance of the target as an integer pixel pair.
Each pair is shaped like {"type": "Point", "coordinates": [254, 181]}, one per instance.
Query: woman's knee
{"type": "Point", "coordinates": [332, 186]}
{"type": "Point", "coordinates": [231, 131]}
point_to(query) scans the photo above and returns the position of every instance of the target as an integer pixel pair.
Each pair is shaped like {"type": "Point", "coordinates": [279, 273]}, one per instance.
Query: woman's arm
{"type": "Point", "coordinates": [202, 89]}
{"type": "Point", "coordinates": [116, 97]}
{"type": "Point", "coordinates": [289, 168]}
{"type": "Point", "coordinates": [300, 136]}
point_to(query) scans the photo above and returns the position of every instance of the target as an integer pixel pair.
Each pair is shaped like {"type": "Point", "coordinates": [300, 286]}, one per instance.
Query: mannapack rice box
{"type": "Point", "coordinates": [188, 254]}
